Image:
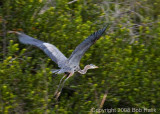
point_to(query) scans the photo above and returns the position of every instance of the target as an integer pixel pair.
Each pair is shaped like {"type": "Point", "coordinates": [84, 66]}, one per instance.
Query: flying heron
{"type": "Point", "coordinates": [66, 65]}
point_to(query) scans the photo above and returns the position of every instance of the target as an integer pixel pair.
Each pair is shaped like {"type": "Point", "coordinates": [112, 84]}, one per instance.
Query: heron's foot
{"type": "Point", "coordinates": [58, 94]}
{"type": "Point", "coordinates": [55, 94]}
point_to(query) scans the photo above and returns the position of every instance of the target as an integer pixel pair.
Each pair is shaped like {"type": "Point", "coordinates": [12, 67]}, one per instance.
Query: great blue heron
{"type": "Point", "coordinates": [66, 65]}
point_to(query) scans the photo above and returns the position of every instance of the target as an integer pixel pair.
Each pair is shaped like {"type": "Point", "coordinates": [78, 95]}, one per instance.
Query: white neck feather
{"type": "Point", "coordinates": [84, 70]}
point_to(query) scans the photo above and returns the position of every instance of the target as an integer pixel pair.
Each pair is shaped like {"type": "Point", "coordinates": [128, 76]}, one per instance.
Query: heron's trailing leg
{"type": "Point", "coordinates": [58, 93]}
{"type": "Point", "coordinates": [59, 85]}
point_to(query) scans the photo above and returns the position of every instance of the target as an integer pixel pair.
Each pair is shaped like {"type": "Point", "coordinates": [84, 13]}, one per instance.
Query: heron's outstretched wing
{"type": "Point", "coordinates": [83, 47]}
{"type": "Point", "coordinates": [49, 49]}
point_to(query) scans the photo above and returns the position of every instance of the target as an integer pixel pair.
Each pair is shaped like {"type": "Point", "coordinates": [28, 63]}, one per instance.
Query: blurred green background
{"type": "Point", "coordinates": [128, 55]}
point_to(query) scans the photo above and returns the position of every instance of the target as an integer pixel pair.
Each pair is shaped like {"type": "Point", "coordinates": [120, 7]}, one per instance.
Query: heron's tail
{"type": "Point", "coordinates": [55, 71]}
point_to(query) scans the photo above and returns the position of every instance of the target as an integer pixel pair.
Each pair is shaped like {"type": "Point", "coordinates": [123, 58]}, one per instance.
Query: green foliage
{"type": "Point", "coordinates": [128, 56]}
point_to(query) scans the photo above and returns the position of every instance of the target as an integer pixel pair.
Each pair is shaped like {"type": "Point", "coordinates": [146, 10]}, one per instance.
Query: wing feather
{"type": "Point", "coordinates": [83, 47]}
{"type": "Point", "coordinates": [49, 49]}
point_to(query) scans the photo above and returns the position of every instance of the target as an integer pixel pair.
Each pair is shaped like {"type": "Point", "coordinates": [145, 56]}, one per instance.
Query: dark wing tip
{"type": "Point", "coordinates": [104, 28]}
{"type": "Point", "coordinates": [99, 33]}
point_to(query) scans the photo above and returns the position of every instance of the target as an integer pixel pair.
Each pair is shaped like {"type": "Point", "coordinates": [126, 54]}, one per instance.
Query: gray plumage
{"type": "Point", "coordinates": [83, 47]}
{"type": "Point", "coordinates": [66, 65]}
{"type": "Point", "coordinates": [49, 49]}
{"type": "Point", "coordinates": [71, 64]}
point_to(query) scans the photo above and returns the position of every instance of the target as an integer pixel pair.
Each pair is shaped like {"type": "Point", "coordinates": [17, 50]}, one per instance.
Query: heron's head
{"type": "Point", "coordinates": [91, 66]}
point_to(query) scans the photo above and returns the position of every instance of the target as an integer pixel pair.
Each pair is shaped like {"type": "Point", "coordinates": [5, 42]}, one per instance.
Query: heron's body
{"type": "Point", "coordinates": [66, 65]}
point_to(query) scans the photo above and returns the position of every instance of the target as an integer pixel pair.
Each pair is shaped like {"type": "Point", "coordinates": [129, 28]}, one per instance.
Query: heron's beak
{"type": "Point", "coordinates": [96, 67]}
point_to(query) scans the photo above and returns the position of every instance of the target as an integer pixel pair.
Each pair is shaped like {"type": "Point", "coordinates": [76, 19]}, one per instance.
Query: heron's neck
{"type": "Point", "coordinates": [84, 70]}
